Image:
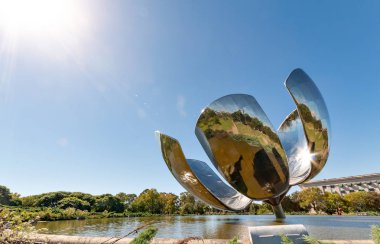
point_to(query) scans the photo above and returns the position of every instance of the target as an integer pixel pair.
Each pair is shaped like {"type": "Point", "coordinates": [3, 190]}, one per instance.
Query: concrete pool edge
{"type": "Point", "coordinates": [65, 239]}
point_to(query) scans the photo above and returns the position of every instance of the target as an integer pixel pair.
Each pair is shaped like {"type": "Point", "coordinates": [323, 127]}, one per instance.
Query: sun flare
{"type": "Point", "coordinates": [39, 17]}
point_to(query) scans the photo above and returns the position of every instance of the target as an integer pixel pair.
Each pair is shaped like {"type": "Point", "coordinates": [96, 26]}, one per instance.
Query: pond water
{"type": "Point", "coordinates": [216, 226]}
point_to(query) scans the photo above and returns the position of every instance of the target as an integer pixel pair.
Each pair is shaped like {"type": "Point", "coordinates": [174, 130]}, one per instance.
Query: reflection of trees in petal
{"type": "Point", "coordinates": [235, 178]}
{"type": "Point", "coordinates": [210, 119]}
{"type": "Point", "coordinates": [316, 133]}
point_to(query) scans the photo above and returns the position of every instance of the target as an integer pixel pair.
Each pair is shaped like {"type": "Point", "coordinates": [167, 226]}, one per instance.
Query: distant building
{"type": "Point", "coordinates": [345, 185]}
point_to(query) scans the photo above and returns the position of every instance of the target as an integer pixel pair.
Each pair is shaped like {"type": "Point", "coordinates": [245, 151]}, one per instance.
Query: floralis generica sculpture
{"type": "Point", "coordinates": [258, 162]}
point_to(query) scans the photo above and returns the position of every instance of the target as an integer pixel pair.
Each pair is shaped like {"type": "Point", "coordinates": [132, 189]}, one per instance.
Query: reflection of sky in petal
{"type": "Point", "coordinates": [294, 142]}
{"type": "Point", "coordinates": [247, 103]}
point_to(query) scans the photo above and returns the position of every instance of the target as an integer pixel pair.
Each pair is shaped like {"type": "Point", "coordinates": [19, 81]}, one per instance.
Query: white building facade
{"type": "Point", "coordinates": [345, 185]}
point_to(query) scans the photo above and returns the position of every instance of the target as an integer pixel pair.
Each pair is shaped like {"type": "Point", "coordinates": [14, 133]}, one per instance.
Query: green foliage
{"type": "Point", "coordinates": [264, 208]}
{"type": "Point", "coordinates": [83, 196]}
{"type": "Point", "coordinates": [187, 203]}
{"type": "Point", "coordinates": [14, 228]}
{"type": "Point", "coordinates": [235, 240]}
{"type": "Point", "coordinates": [375, 234]}
{"type": "Point", "coordinates": [50, 199]}
{"type": "Point", "coordinates": [292, 203]}
{"type": "Point", "coordinates": [332, 202]}
{"type": "Point", "coordinates": [170, 203]}
{"type": "Point", "coordinates": [356, 201]}
{"type": "Point", "coordinates": [285, 239]}
{"type": "Point", "coordinates": [311, 198]}
{"type": "Point", "coordinates": [77, 205]}
{"type": "Point", "coordinates": [129, 200]}
{"type": "Point", "coordinates": [145, 236]}
{"type": "Point", "coordinates": [363, 201]}
{"type": "Point", "coordinates": [372, 201]}
{"type": "Point", "coordinates": [148, 201]}
{"type": "Point", "coordinates": [126, 199]}
{"type": "Point", "coordinates": [73, 202]}
{"type": "Point", "coordinates": [312, 240]}
{"type": "Point", "coordinates": [5, 195]}
{"type": "Point", "coordinates": [108, 203]}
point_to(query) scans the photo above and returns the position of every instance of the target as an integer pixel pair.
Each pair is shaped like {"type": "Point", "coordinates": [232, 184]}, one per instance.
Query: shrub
{"type": "Point", "coordinates": [375, 233]}
{"type": "Point", "coordinates": [235, 240]}
{"type": "Point", "coordinates": [145, 236]}
{"type": "Point", "coordinates": [13, 229]}
{"type": "Point", "coordinates": [285, 239]}
{"type": "Point", "coordinates": [74, 202]}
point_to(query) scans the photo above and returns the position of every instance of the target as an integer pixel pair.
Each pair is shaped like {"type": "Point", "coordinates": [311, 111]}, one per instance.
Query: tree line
{"type": "Point", "coordinates": [150, 201]}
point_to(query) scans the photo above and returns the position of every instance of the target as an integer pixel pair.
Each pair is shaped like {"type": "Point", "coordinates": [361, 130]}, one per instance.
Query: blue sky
{"type": "Point", "coordinates": [78, 109]}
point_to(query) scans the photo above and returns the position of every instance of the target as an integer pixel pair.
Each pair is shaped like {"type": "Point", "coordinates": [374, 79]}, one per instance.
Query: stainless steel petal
{"type": "Point", "coordinates": [198, 178]}
{"type": "Point", "coordinates": [224, 193]}
{"type": "Point", "coordinates": [242, 144]}
{"type": "Point", "coordinates": [293, 140]}
{"type": "Point", "coordinates": [314, 116]}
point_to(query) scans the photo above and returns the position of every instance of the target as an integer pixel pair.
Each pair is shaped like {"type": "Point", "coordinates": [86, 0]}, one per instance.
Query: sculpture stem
{"type": "Point", "coordinates": [278, 211]}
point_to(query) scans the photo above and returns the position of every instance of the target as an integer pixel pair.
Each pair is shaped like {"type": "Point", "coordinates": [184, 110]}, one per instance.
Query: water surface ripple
{"type": "Point", "coordinates": [216, 226]}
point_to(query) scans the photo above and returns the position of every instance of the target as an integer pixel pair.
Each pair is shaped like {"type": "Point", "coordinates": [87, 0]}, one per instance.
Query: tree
{"type": "Point", "coordinates": [356, 201]}
{"type": "Point", "coordinates": [109, 203]}
{"type": "Point", "coordinates": [363, 201]}
{"type": "Point", "coordinates": [292, 203]}
{"type": "Point", "coordinates": [170, 203]}
{"type": "Point", "coordinates": [126, 199]}
{"type": "Point", "coordinates": [5, 195]}
{"type": "Point", "coordinates": [264, 208]}
{"type": "Point", "coordinates": [29, 201]}
{"type": "Point", "coordinates": [253, 208]}
{"type": "Point", "coordinates": [74, 202]}
{"type": "Point", "coordinates": [187, 202]}
{"type": "Point", "coordinates": [200, 207]}
{"type": "Point", "coordinates": [121, 196]}
{"type": "Point", "coordinates": [148, 201]}
{"type": "Point", "coordinates": [311, 198]}
{"type": "Point", "coordinates": [373, 201]}
{"type": "Point", "coordinates": [50, 199]}
{"type": "Point", "coordinates": [332, 202]}
{"type": "Point", "coordinates": [84, 196]}
{"type": "Point", "coordinates": [129, 200]}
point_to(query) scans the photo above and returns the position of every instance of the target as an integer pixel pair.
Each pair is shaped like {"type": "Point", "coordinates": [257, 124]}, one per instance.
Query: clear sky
{"type": "Point", "coordinates": [83, 87]}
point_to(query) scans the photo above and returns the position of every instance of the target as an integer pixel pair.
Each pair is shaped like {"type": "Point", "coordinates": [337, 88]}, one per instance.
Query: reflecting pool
{"type": "Point", "coordinates": [216, 226]}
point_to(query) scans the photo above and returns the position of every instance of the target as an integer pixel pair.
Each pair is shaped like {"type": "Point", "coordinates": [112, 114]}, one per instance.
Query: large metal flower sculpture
{"type": "Point", "coordinates": [257, 162]}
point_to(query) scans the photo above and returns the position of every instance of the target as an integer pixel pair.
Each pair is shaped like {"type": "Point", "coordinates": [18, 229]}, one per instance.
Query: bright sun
{"type": "Point", "coordinates": [40, 17]}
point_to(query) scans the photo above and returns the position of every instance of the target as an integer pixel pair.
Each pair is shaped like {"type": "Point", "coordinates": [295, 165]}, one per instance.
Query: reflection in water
{"type": "Point", "coordinates": [218, 227]}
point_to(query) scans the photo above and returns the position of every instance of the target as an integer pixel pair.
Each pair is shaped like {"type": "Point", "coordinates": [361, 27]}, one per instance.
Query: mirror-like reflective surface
{"type": "Point", "coordinates": [293, 140]}
{"type": "Point", "coordinates": [257, 161]}
{"type": "Point", "coordinates": [242, 144]}
{"type": "Point", "coordinates": [227, 195]}
{"type": "Point", "coordinates": [176, 162]}
{"type": "Point", "coordinates": [198, 178]}
{"type": "Point", "coordinates": [314, 116]}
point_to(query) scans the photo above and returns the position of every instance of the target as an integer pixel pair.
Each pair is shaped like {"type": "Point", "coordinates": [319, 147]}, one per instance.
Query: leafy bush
{"type": "Point", "coordinates": [145, 236]}
{"type": "Point", "coordinates": [108, 203]}
{"type": "Point", "coordinates": [235, 240]}
{"type": "Point", "coordinates": [375, 234]}
{"type": "Point", "coordinates": [285, 239]}
{"type": "Point", "coordinates": [74, 202]}
{"type": "Point", "coordinates": [13, 229]}
{"type": "Point", "coordinates": [312, 240]}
